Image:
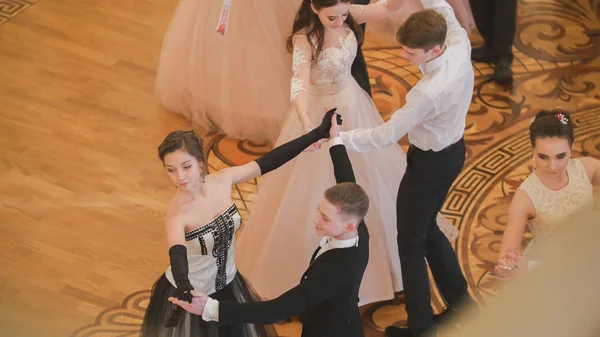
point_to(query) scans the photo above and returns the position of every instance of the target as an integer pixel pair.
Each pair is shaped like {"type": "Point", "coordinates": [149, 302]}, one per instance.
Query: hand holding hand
{"type": "Point", "coordinates": [323, 129]}
{"type": "Point", "coordinates": [511, 265]}
{"type": "Point", "coordinates": [316, 145]}
{"type": "Point", "coordinates": [183, 292]}
{"type": "Point", "coordinates": [196, 305]}
{"type": "Point", "coordinates": [336, 121]}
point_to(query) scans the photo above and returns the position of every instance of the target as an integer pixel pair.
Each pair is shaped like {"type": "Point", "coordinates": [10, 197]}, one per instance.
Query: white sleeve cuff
{"type": "Point", "coordinates": [211, 310]}
{"type": "Point", "coordinates": [335, 141]}
{"type": "Point", "coordinates": [349, 138]}
{"type": "Point", "coordinates": [344, 136]}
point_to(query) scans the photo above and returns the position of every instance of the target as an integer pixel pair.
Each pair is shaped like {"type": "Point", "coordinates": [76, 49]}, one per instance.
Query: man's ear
{"type": "Point", "coordinates": [350, 225]}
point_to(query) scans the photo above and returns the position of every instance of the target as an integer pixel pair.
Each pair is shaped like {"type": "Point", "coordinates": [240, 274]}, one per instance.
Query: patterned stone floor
{"type": "Point", "coordinates": [10, 8]}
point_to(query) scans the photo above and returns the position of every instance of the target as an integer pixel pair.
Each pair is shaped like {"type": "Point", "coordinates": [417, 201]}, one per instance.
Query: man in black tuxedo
{"type": "Point", "coordinates": [327, 297]}
{"type": "Point", "coordinates": [496, 21]}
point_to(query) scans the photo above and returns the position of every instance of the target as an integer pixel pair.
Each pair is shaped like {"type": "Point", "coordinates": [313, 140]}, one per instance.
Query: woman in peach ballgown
{"type": "Point", "coordinates": [229, 81]}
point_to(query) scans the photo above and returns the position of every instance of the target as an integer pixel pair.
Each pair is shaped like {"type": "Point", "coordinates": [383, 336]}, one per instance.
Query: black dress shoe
{"type": "Point", "coordinates": [482, 54]}
{"type": "Point", "coordinates": [450, 313]}
{"type": "Point", "coordinates": [504, 74]}
{"type": "Point", "coordinates": [445, 316]}
{"type": "Point", "coordinates": [393, 331]}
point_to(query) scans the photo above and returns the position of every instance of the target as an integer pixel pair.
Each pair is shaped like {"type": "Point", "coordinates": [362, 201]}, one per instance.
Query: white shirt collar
{"type": "Point", "coordinates": [432, 65]}
{"type": "Point", "coordinates": [335, 243]}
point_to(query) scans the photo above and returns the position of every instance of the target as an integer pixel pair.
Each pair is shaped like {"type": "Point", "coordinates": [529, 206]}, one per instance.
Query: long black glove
{"type": "Point", "coordinates": [179, 268]}
{"type": "Point", "coordinates": [286, 152]}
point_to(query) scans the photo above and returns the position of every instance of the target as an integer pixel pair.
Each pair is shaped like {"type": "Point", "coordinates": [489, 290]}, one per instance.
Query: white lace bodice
{"type": "Point", "coordinates": [551, 206]}
{"type": "Point", "coordinates": [335, 62]}
{"type": "Point", "coordinates": [331, 66]}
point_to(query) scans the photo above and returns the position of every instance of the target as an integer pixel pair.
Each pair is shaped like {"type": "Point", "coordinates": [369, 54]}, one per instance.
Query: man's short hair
{"type": "Point", "coordinates": [424, 29]}
{"type": "Point", "coordinates": [349, 198]}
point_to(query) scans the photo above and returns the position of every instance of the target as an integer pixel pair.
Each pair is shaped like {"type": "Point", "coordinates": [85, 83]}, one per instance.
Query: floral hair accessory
{"type": "Point", "coordinates": [562, 119]}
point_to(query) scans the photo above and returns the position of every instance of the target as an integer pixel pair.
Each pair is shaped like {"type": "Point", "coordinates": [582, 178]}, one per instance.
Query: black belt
{"type": "Point", "coordinates": [448, 148]}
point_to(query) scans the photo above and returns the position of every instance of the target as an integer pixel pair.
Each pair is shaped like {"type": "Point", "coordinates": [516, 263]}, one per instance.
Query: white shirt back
{"type": "Point", "coordinates": [436, 107]}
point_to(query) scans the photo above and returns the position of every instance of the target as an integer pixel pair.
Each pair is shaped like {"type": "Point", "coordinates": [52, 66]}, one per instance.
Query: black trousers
{"type": "Point", "coordinates": [496, 21]}
{"type": "Point", "coordinates": [359, 66]}
{"type": "Point", "coordinates": [423, 189]}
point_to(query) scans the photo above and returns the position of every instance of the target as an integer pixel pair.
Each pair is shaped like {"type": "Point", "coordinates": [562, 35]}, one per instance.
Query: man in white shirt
{"type": "Point", "coordinates": [434, 118]}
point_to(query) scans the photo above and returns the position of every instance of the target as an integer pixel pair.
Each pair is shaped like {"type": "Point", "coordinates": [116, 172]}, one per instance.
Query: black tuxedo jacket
{"type": "Point", "coordinates": [326, 299]}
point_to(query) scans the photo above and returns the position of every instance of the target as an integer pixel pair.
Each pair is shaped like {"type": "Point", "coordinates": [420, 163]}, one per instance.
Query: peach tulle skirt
{"type": "Point", "coordinates": [237, 83]}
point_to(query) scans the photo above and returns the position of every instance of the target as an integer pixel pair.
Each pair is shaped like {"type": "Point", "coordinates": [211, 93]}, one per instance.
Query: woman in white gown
{"type": "Point", "coordinates": [559, 187]}
{"type": "Point", "coordinates": [279, 237]}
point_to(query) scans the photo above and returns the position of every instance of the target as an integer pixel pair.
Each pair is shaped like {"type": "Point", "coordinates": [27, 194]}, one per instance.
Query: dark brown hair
{"type": "Point", "coordinates": [552, 123]}
{"type": "Point", "coordinates": [350, 198]}
{"type": "Point", "coordinates": [307, 22]}
{"type": "Point", "coordinates": [424, 29]}
{"type": "Point", "coordinates": [182, 140]}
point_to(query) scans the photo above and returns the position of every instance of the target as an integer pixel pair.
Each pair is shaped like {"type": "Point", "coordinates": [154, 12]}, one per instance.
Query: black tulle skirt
{"type": "Point", "coordinates": [190, 325]}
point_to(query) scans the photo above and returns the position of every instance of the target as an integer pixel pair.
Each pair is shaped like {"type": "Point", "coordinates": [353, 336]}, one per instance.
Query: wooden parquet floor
{"type": "Point", "coordinates": [82, 193]}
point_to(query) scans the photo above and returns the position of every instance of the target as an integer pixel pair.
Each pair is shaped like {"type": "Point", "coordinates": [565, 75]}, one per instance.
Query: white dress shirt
{"type": "Point", "coordinates": [436, 107]}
